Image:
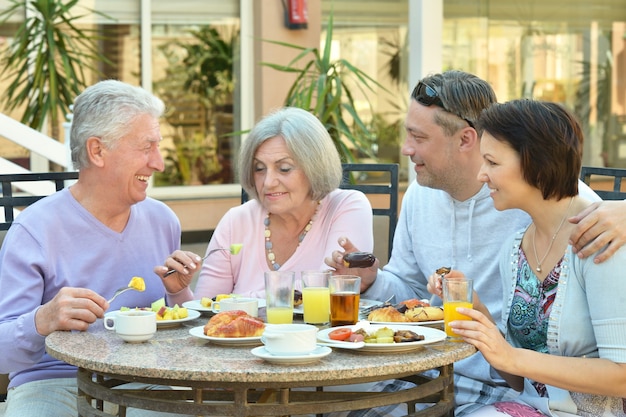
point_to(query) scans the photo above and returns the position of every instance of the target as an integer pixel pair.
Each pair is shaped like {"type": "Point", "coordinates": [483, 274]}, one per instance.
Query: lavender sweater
{"type": "Point", "coordinates": [56, 243]}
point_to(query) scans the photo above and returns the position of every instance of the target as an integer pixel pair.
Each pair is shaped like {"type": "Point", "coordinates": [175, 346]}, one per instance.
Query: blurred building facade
{"type": "Point", "coordinates": [569, 51]}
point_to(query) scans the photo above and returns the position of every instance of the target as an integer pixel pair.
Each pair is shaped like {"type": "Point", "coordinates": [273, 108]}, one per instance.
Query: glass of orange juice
{"type": "Point", "coordinates": [457, 292]}
{"type": "Point", "coordinates": [279, 286]}
{"type": "Point", "coordinates": [315, 297]}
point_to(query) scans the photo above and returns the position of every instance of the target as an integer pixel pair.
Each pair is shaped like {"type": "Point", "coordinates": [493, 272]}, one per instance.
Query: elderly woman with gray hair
{"type": "Point", "coordinates": [297, 215]}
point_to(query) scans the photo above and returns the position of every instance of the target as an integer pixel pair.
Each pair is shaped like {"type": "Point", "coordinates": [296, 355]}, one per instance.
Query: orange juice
{"type": "Point", "coordinates": [279, 315]}
{"type": "Point", "coordinates": [450, 314]}
{"type": "Point", "coordinates": [316, 304]}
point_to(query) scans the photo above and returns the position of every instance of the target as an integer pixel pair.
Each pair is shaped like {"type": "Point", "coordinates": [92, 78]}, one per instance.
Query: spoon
{"type": "Point", "coordinates": [233, 249]}
{"type": "Point", "coordinates": [344, 345]}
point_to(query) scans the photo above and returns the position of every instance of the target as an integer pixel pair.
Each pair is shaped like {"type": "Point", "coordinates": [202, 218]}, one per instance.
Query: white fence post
{"type": "Point", "coordinates": [68, 150]}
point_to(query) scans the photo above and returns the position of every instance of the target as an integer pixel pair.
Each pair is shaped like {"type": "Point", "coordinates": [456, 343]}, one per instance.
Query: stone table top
{"type": "Point", "coordinates": [175, 355]}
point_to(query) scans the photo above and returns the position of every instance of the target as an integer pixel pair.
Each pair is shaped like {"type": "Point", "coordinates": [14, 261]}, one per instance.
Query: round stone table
{"type": "Point", "coordinates": [209, 379]}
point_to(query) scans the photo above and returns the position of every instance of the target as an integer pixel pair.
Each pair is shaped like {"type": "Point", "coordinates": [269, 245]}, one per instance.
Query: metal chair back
{"type": "Point", "coordinates": [610, 174]}
{"type": "Point", "coordinates": [377, 179]}
{"type": "Point", "coordinates": [13, 199]}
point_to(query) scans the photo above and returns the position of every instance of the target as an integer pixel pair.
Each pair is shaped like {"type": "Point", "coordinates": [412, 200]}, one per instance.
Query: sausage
{"type": "Point", "coordinates": [358, 260]}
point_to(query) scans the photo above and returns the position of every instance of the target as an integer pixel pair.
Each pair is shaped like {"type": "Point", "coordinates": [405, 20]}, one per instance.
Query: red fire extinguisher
{"type": "Point", "coordinates": [296, 14]}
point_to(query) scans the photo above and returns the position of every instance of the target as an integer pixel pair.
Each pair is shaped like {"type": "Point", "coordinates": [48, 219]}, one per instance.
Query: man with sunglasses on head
{"type": "Point", "coordinates": [448, 218]}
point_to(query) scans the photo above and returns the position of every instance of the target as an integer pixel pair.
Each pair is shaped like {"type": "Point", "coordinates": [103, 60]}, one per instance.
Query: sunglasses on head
{"type": "Point", "coordinates": [427, 96]}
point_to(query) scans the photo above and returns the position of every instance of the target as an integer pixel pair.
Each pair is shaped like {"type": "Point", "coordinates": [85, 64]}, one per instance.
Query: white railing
{"type": "Point", "coordinates": [38, 143]}
{"type": "Point", "coordinates": [34, 141]}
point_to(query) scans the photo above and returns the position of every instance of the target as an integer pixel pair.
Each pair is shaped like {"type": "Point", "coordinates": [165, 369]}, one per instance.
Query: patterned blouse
{"type": "Point", "coordinates": [530, 310]}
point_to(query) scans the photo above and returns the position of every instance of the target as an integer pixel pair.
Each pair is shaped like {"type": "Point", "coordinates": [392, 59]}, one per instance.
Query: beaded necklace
{"type": "Point", "coordinates": [268, 234]}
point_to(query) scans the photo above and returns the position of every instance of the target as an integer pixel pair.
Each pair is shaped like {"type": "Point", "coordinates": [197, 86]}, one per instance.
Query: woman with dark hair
{"type": "Point", "coordinates": [562, 339]}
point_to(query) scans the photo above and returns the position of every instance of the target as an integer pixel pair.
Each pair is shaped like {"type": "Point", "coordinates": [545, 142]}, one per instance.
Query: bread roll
{"type": "Point", "coordinates": [235, 323]}
{"type": "Point", "coordinates": [387, 315]}
{"type": "Point", "coordinates": [424, 313]}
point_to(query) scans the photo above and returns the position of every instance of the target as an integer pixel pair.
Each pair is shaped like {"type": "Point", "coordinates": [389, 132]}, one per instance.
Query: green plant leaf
{"type": "Point", "coordinates": [320, 88]}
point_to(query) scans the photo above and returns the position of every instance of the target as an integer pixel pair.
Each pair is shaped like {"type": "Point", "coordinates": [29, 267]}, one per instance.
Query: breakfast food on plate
{"type": "Point", "coordinates": [402, 336]}
{"type": "Point", "coordinates": [412, 310]}
{"type": "Point", "coordinates": [172, 313]}
{"type": "Point", "coordinates": [137, 283]}
{"type": "Point", "coordinates": [443, 270]}
{"type": "Point", "coordinates": [414, 302]}
{"type": "Point", "coordinates": [383, 335]}
{"type": "Point", "coordinates": [387, 315]}
{"type": "Point", "coordinates": [297, 298]}
{"type": "Point", "coordinates": [358, 260]}
{"type": "Point", "coordinates": [206, 301]}
{"type": "Point", "coordinates": [424, 313]}
{"type": "Point", "coordinates": [162, 311]}
{"type": "Point", "coordinates": [234, 323]}
{"type": "Point", "coordinates": [219, 297]}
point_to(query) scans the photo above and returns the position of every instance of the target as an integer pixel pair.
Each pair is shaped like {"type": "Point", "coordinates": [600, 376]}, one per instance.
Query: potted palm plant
{"type": "Point", "coordinates": [49, 60]}
{"type": "Point", "coordinates": [320, 87]}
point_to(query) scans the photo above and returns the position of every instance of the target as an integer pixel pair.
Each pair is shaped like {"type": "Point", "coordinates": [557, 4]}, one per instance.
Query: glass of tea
{"type": "Point", "coordinates": [345, 294]}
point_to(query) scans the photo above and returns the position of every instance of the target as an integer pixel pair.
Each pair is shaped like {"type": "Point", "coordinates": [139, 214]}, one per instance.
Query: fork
{"type": "Point", "coordinates": [171, 271]}
{"type": "Point", "coordinates": [120, 291]}
{"type": "Point", "coordinates": [365, 312]}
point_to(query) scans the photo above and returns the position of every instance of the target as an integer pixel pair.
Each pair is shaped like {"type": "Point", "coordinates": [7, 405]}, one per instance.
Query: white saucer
{"type": "Point", "coordinates": [314, 356]}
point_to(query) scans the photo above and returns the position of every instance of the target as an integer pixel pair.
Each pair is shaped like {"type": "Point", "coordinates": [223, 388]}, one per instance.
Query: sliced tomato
{"type": "Point", "coordinates": [340, 334]}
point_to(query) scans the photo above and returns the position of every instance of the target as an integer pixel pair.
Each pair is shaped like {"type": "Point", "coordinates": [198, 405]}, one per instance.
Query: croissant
{"type": "Point", "coordinates": [387, 314]}
{"type": "Point", "coordinates": [234, 323]}
{"type": "Point", "coordinates": [424, 313]}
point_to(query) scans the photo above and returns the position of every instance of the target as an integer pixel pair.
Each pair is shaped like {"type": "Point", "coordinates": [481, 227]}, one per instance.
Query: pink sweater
{"type": "Point", "coordinates": [342, 213]}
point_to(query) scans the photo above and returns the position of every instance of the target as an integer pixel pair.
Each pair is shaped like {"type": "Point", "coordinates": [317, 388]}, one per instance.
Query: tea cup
{"type": "Point", "coordinates": [132, 326]}
{"type": "Point", "coordinates": [290, 339]}
{"type": "Point", "coordinates": [249, 305]}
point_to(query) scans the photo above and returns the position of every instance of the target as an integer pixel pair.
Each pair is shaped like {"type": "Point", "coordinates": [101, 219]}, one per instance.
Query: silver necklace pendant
{"type": "Point", "coordinates": [538, 269]}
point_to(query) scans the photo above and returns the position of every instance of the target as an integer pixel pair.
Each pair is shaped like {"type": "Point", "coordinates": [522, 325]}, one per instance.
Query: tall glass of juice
{"type": "Point", "coordinates": [279, 287]}
{"type": "Point", "coordinates": [457, 292]}
{"type": "Point", "coordinates": [345, 295]}
{"type": "Point", "coordinates": [315, 297]}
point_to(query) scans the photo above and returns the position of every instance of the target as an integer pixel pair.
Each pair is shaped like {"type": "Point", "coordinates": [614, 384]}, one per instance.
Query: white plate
{"type": "Point", "coordinates": [363, 303]}
{"type": "Point", "coordinates": [314, 356]}
{"type": "Point", "coordinates": [191, 315]}
{"type": "Point", "coordinates": [409, 323]}
{"type": "Point", "coordinates": [229, 341]}
{"type": "Point", "coordinates": [197, 305]}
{"type": "Point", "coordinates": [430, 336]}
